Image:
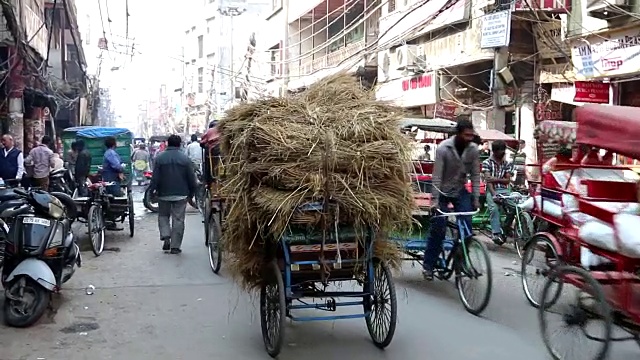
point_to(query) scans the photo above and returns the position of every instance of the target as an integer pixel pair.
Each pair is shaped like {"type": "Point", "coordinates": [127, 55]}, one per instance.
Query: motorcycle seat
{"type": "Point", "coordinates": [8, 194]}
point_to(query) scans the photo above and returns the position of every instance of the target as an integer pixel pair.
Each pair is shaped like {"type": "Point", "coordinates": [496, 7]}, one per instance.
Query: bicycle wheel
{"type": "Point", "coordinates": [131, 215]}
{"type": "Point", "coordinates": [381, 307]}
{"type": "Point", "coordinates": [523, 230]}
{"type": "Point", "coordinates": [95, 226]}
{"type": "Point", "coordinates": [213, 242]}
{"type": "Point", "coordinates": [273, 309]}
{"type": "Point", "coordinates": [470, 275]}
{"type": "Point", "coordinates": [539, 258]}
{"type": "Point", "coordinates": [590, 316]}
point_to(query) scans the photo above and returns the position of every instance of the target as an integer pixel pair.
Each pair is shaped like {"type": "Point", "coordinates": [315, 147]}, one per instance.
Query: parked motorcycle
{"type": "Point", "coordinates": [40, 254]}
{"type": "Point", "coordinates": [59, 181]}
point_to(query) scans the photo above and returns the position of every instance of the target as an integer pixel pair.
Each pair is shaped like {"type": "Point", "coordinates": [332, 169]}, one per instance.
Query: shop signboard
{"type": "Point", "coordinates": [549, 110]}
{"type": "Point", "coordinates": [412, 91]}
{"type": "Point", "coordinates": [593, 92]}
{"type": "Point", "coordinates": [599, 57]}
{"type": "Point", "coordinates": [496, 30]}
{"type": "Point", "coordinates": [549, 40]}
{"type": "Point", "coordinates": [441, 110]}
{"type": "Point", "coordinates": [581, 92]}
{"type": "Point", "coordinates": [556, 73]}
{"type": "Point", "coordinates": [552, 6]}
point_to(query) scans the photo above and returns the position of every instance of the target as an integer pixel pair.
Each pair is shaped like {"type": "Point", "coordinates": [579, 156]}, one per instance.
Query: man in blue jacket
{"type": "Point", "coordinates": [11, 160]}
{"type": "Point", "coordinates": [174, 182]}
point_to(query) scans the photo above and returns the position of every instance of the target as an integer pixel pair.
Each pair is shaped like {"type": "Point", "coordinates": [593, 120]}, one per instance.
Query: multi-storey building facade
{"type": "Point", "coordinates": [308, 40]}
{"type": "Point", "coordinates": [24, 29]}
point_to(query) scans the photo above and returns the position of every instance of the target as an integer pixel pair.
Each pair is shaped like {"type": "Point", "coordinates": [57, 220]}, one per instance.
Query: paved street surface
{"type": "Point", "coordinates": [151, 305]}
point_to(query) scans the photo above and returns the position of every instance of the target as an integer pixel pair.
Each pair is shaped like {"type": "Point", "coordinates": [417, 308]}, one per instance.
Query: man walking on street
{"type": "Point", "coordinates": [173, 182]}
{"type": "Point", "coordinates": [42, 160]}
{"type": "Point", "coordinates": [194, 152]}
{"type": "Point", "coordinates": [11, 160]}
{"type": "Point", "coordinates": [456, 159]}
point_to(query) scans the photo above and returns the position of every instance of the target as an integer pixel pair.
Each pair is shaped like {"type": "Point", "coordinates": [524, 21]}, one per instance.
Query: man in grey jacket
{"type": "Point", "coordinates": [174, 182]}
{"type": "Point", "coordinates": [457, 158]}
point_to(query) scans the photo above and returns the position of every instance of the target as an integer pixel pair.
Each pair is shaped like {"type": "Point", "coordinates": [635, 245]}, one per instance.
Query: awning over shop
{"type": "Point", "coordinates": [428, 124]}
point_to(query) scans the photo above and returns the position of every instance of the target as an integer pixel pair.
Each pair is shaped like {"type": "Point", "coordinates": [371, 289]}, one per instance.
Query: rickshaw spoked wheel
{"type": "Point", "coordinates": [380, 306]}
{"type": "Point", "coordinates": [576, 318]}
{"type": "Point", "coordinates": [95, 227]}
{"type": "Point", "coordinates": [214, 234]}
{"type": "Point", "coordinates": [542, 248]}
{"type": "Point", "coordinates": [273, 309]}
{"type": "Point", "coordinates": [131, 214]}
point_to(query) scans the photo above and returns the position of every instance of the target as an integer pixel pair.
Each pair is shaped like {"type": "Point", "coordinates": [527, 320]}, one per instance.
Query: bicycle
{"type": "Point", "coordinates": [515, 221]}
{"type": "Point", "coordinates": [455, 259]}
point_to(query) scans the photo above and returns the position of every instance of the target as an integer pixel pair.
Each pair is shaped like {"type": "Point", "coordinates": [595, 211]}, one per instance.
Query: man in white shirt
{"type": "Point", "coordinates": [194, 151]}
{"type": "Point", "coordinates": [11, 160]}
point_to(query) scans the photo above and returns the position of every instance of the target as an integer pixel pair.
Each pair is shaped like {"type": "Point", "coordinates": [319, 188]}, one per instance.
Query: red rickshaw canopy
{"type": "Point", "coordinates": [615, 128]}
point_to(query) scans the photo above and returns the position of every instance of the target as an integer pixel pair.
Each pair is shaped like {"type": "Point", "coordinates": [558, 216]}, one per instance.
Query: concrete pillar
{"type": "Point", "coordinates": [16, 100]}
{"type": "Point", "coordinates": [500, 60]}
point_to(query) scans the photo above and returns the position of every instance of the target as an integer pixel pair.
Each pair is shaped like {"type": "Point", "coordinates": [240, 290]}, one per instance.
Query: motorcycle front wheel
{"type": "Point", "coordinates": [149, 201]}
{"type": "Point", "coordinates": [26, 310]}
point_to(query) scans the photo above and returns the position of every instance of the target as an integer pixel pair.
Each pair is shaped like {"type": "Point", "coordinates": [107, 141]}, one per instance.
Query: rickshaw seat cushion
{"type": "Point", "coordinates": [602, 235]}
{"type": "Point", "coordinates": [548, 206]}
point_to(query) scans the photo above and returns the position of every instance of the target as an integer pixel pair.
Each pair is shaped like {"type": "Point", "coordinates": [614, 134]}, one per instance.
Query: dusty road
{"type": "Point", "coordinates": [151, 305]}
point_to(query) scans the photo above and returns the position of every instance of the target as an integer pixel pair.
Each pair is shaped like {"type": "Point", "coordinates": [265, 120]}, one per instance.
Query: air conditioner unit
{"type": "Point", "coordinates": [406, 57]}
{"type": "Point", "coordinates": [385, 64]}
{"type": "Point", "coordinates": [608, 9]}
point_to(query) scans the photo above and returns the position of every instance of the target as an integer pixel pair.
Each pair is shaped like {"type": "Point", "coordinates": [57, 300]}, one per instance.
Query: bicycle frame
{"type": "Point", "coordinates": [463, 233]}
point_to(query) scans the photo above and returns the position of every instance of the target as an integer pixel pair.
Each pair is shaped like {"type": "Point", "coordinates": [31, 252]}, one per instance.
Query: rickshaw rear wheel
{"type": "Point", "coordinates": [273, 309]}
{"type": "Point", "coordinates": [545, 247]}
{"type": "Point", "coordinates": [380, 305]}
{"type": "Point", "coordinates": [131, 215]}
{"type": "Point", "coordinates": [95, 226]}
{"type": "Point", "coordinates": [579, 315]}
{"type": "Point", "coordinates": [214, 234]}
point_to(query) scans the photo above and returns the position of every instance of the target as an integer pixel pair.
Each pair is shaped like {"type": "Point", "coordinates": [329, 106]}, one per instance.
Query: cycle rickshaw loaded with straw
{"type": "Point", "coordinates": [215, 203]}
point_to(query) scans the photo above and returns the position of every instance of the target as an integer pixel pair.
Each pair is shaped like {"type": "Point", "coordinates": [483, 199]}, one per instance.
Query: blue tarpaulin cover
{"type": "Point", "coordinates": [100, 132]}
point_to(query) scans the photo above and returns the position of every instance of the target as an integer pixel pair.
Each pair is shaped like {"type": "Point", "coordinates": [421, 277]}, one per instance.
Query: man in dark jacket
{"type": "Point", "coordinates": [82, 168]}
{"type": "Point", "coordinates": [174, 182]}
{"type": "Point", "coordinates": [11, 160]}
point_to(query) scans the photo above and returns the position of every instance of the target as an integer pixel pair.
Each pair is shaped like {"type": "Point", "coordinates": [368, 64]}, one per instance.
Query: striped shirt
{"type": "Point", "coordinates": [497, 170]}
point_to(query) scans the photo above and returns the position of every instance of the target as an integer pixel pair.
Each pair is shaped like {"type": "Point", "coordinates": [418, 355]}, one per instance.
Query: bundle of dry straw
{"type": "Point", "coordinates": [334, 138]}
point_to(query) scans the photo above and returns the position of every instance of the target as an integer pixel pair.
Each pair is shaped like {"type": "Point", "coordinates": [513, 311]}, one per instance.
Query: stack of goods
{"type": "Point", "coordinates": [332, 141]}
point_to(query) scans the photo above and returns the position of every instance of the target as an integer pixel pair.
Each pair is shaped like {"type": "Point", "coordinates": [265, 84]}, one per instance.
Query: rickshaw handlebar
{"type": "Point", "coordinates": [462, 213]}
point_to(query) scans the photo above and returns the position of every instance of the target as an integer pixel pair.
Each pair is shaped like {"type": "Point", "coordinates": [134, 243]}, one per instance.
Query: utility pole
{"type": "Point", "coordinates": [285, 51]}
{"type": "Point", "coordinates": [231, 11]}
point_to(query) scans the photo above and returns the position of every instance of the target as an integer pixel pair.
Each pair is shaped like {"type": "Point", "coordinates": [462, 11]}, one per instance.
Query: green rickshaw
{"type": "Point", "coordinates": [99, 208]}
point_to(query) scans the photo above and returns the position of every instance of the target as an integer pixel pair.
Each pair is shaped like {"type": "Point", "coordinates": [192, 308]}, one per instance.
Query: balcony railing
{"type": "Point", "coordinates": [330, 60]}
